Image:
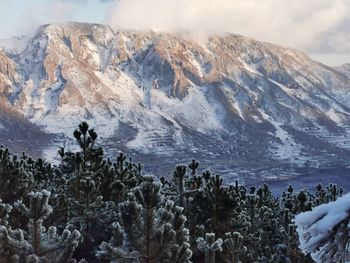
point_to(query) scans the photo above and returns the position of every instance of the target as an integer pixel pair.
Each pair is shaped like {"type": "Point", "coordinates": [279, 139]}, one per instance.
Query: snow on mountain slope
{"type": "Point", "coordinates": [18, 133]}
{"type": "Point", "coordinates": [159, 93]}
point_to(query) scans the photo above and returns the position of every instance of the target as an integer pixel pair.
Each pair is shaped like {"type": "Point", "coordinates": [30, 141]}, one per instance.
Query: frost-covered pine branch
{"type": "Point", "coordinates": [324, 232]}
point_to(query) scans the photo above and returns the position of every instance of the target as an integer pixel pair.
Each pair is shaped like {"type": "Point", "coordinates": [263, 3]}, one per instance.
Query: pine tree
{"type": "Point", "coordinates": [88, 213]}
{"type": "Point", "coordinates": [209, 246]}
{"type": "Point", "coordinates": [234, 243]}
{"type": "Point", "coordinates": [180, 188]}
{"type": "Point", "coordinates": [327, 194]}
{"type": "Point", "coordinates": [116, 249]}
{"type": "Point", "coordinates": [127, 217]}
{"type": "Point", "coordinates": [155, 230]}
{"type": "Point", "coordinates": [36, 244]}
{"type": "Point", "coordinates": [264, 217]}
{"type": "Point", "coordinates": [193, 166]}
{"type": "Point", "coordinates": [214, 206]}
{"type": "Point", "coordinates": [16, 175]}
{"type": "Point", "coordinates": [93, 186]}
{"type": "Point", "coordinates": [122, 176]}
{"type": "Point", "coordinates": [297, 202]}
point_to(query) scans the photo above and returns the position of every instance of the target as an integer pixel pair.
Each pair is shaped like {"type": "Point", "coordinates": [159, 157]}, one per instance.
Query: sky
{"type": "Point", "coordinates": [321, 28]}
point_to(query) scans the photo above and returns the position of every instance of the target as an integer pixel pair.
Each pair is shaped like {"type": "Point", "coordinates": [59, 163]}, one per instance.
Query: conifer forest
{"type": "Point", "coordinates": [89, 208]}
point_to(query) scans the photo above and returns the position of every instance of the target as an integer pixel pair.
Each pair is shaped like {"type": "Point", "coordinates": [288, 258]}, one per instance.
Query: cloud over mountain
{"type": "Point", "coordinates": [318, 27]}
{"type": "Point", "coordinates": [315, 25]}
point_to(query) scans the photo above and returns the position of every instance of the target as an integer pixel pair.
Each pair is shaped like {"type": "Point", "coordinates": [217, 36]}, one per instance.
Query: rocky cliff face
{"type": "Point", "coordinates": [8, 75]}
{"type": "Point", "coordinates": [159, 93]}
{"type": "Point", "coordinates": [15, 129]}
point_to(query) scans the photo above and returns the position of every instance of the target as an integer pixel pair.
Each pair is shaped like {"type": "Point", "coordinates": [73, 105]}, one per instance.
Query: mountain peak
{"type": "Point", "coordinates": [159, 91]}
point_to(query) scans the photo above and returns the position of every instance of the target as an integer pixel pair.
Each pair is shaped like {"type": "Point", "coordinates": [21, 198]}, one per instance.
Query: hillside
{"type": "Point", "coordinates": [249, 109]}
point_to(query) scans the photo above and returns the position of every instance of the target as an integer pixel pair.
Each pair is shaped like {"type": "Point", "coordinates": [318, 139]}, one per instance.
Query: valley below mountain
{"type": "Point", "coordinates": [251, 111]}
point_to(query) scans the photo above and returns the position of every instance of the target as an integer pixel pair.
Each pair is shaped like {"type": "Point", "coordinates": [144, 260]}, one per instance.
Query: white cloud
{"type": "Point", "coordinates": [24, 17]}
{"type": "Point", "coordinates": [308, 25]}
{"type": "Point", "coordinates": [39, 12]}
{"type": "Point", "coordinates": [319, 27]}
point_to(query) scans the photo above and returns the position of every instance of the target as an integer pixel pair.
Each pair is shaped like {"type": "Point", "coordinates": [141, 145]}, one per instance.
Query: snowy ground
{"type": "Point", "coordinates": [249, 162]}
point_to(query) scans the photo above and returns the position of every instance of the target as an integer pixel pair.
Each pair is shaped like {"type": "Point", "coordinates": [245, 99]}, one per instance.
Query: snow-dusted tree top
{"type": "Point", "coordinates": [97, 210]}
{"type": "Point", "coordinates": [323, 232]}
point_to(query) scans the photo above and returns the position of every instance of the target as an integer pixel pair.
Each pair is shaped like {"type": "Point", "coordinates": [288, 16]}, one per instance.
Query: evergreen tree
{"type": "Point", "coordinates": [155, 229]}
{"type": "Point", "coordinates": [182, 188]}
{"type": "Point", "coordinates": [209, 246]}
{"type": "Point", "coordinates": [93, 186]}
{"type": "Point", "coordinates": [124, 216]}
{"type": "Point", "coordinates": [234, 243]}
{"type": "Point", "coordinates": [327, 194]}
{"type": "Point", "coordinates": [36, 244]}
{"type": "Point", "coordinates": [116, 249]}
{"type": "Point", "coordinates": [16, 176]}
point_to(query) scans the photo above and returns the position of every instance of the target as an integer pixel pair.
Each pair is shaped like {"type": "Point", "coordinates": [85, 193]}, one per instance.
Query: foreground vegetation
{"type": "Point", "coordinates": [91, 209]}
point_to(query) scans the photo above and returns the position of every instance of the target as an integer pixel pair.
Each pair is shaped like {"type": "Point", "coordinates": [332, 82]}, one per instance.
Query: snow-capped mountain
{"type": "Point", "coordinates": [240, 105]}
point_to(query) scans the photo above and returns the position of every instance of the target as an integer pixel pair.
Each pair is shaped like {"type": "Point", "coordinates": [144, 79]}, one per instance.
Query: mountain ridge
{"type": "Point", "coordinates": [172, 93]}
